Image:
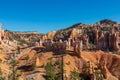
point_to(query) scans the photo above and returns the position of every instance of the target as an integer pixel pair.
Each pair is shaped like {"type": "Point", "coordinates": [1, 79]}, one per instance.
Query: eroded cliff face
{"type": "Point", "coordinates": [112, 64]}
{"type": "Point", "coordinates": [4, 67]}
{"type": "Point", "coordinates": [107, 40]}
{"type": "Point", "coordinates": [75, 33]}
{"type": "Point", "coordinates": [80, 45]}
{"type": "Point", "coordinates": [108, 63]}
{"type": "Point", "coordinates": [50, 35]}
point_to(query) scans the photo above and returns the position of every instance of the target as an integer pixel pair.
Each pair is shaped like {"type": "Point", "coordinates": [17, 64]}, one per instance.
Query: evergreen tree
{"type": "Point", "coordinates": [50, 73]}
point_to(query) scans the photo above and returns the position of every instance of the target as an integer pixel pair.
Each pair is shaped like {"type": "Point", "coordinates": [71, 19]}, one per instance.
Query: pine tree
{"type": "Point", "coordinates": [14, 75]}
{"type": "Point", "coordinates": [50, 73]}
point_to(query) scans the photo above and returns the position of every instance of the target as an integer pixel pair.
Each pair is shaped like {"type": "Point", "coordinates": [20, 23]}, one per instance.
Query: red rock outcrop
{"type": "Point", "coordinates": [75, 33]}
{"type": "Point", "coordinates": [49, 35]}
{"type": "Point", "coordinates": [107, 40]}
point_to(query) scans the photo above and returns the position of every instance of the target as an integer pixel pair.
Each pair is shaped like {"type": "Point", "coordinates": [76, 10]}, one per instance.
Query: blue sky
{"type": "Point", "coordinates": [47, 15]}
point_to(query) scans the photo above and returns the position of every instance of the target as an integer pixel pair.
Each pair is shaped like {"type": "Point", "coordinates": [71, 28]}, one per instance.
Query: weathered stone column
{"type": "Point", "coordinates": [37, 62]}
{"type": "Point", "coordinates": [115, 42]}
{"type": "Point", "coordinates": [96, 39]}
{"type": "Point", "coordinates": [69, 43]}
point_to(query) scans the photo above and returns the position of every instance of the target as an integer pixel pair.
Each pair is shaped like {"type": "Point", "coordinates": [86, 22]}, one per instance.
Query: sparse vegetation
{"type": "Point", "coordinates": [27, 58]}
{"type": "Point", "coordinates": [92, 46]}
{"type": "Point", "coordinates": [14, 74]}
{"type": "Point", "coordinates": [32, 66]}
{"type": "Point", "coordinates": [50, 72]}
{"type": "Point", "coordinates": [75, 75]}
{"type": "Point", "coordinates": [54, 69]}
{"type": "Point", "coordinates": [107, 21]}
{"type": "Point", "coordinates": [2, 77]}
{"type": "Point", "coordinates": [99, 74]}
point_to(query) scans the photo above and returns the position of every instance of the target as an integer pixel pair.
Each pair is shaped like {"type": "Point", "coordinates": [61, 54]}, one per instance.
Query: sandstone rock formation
{"type": "Point", "coordinates": [37, 62]}
{"type": "Point", "coordinates": [107, 63]}
{"type": "Point", "coordinates": [108, 40]}
{"type": "Point", "coordinates": [75, 42]}
{"type": "Point", "coordinates": [49, 35]}
{"type": "Point", "coordinates": [75, 33]}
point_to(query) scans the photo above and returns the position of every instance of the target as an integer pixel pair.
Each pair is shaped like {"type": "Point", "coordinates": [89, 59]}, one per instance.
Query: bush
{"type": "Point", "coordinates": [75, 75]}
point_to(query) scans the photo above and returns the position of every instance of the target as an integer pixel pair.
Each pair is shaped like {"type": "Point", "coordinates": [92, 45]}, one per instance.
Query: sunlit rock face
{"type": "Point", "coordinates": [75, 33]}
{"type": "Point", "coordinates": [1, 32]}
{"type": "Point", "coordinates": [49, 35]}
{"type": "Point", "coordinates": [4, 35]}
{"type": "Point", "coordinates": [107, 40]}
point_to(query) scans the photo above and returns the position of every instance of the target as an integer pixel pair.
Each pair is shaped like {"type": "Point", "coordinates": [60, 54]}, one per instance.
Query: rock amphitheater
{"type": "Point", "coordinates": [92, 52]}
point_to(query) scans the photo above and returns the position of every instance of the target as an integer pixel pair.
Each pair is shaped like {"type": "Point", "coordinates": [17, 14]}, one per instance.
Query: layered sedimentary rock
{"type": "Point", "coordinates": [49, 35]}
{"type": "Point", "coordinates": [85, 40]}
{"type": "Point", "coordinates": [106, 40]}
{"type": "Point", "coordinates": [110, 64]}
{"type": "Point", "coordinates": [75, 33]}
{"type": "Point", "coordinates": [77, 48]}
